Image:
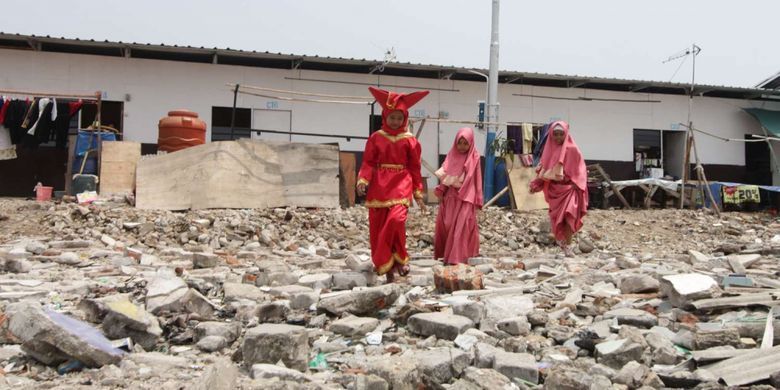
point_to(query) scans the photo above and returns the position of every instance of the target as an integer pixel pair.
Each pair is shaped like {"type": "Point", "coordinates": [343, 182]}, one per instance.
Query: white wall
{"type": "Point", "coordinates": [604, 130]}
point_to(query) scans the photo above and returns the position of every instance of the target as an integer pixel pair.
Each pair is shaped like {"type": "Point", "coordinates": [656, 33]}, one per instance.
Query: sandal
{"type": "Point", "coordinates": [403, 269]}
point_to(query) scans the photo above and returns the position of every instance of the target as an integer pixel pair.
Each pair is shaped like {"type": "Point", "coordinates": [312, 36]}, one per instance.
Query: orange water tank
{"type": "Point", "coordinates": [181, 129]}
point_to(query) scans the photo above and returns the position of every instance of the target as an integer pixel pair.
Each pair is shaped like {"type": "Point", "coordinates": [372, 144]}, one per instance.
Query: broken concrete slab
{"type": "Point", "coordinates": [316, 281]}
{"type": "Point", "coordinates": [212, 343]}
{"type": "Point", "coordinates": [352, 326]}
{"type": "Point", "coordinates": [517, 365]}
{"type": "Point", "coordinates": [457, 277]}
{"type": "Point", "coordinates": [751, 367]}
{"type": "Point", "coordinates": [635, 376]}
{"type": "Point", "coordinates": [616, 353]}
{"type": "Point", "coordinates": [683, 289]}
{"type": "Point", "coordinates": [483, 379]}
{"type": "Point", "coordinates": [53, 338]}
{"type": "Point", "coordinates": [348, 280]}
{"type": "Point", "coordinates": [473, 310]}
{"type": "Point", "coordinates": [125, 319]}
{"type": "Point", "coordinates": [204, 260]}
{"type": "Point", "coordinates": [270, 371]}
{"type": "Point", "coordinates": [269, 343]}
{"type": "Point", "coordinates": [398, 371]}
{"type": "Point", "coordinates": [221, 375]}
{"type": "Point", "coordinates": [716, 338]}
{"type": "Point", "coordinates": [440, 365]}
{"type": "Point", "coordinates": [241, 291]}
{"type": "Point", "coordinates": [516, 326]}
{"type": "Point", "coordinates": [227, 330]}
{"type": "Point", "coordinates": [442, 325]}
{"type": "Point", "coordinates": [633, 317]}
{"type": "Point", "coordinates": [565, 378]}
{"type": "Point", "coordinates": [639, 283]}
{"type": "Point", "coordinates": [360, 302]}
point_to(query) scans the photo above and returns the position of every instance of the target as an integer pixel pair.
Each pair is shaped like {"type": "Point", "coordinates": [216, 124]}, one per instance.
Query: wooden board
{"type": "Point", "coordinates": [519, 178]}
{"type": "Point", "coordinates": [347, 179]}
{"type": "Point", "coordinates": [119, 162]}
{"type": "Point", "coordinates": [240, 174]}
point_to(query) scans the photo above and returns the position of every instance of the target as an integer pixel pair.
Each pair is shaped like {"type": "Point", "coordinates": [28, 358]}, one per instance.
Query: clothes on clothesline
{"type": "Point", "coordinates": [31, 123]}
{"type": "Point", "coordinates": [540, 144]}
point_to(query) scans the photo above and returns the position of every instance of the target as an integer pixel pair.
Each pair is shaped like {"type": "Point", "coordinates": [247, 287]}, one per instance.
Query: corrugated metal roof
{"type": "Point", "coordinates": [751, 367]}
{"type": "Point", "coordinates": [230, 56]}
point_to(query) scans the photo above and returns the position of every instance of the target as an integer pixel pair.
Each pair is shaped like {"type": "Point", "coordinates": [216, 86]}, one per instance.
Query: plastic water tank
{"type": "Point", "coordinates": [181, 129]}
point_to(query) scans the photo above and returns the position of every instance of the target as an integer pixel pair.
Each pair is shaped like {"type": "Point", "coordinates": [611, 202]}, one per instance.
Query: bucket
{"type": "Point", "coordinates": [43, 193]}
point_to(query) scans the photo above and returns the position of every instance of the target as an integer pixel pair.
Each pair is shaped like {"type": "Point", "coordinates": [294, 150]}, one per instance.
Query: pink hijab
{"type": "Point", "coordinates": [567, 155]}
{"type": "Point", "coordinates": [458, 163]}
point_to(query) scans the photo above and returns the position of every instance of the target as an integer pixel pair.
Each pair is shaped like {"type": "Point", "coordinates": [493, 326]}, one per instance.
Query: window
{"type": "Point", "coordinates": [220, 123]}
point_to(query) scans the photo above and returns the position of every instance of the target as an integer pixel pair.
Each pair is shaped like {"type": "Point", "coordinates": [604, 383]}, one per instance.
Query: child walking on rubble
{"type": "Point", "coordinates": [460, 196]}
{"type": "Point", "coordinates": [389, 177]}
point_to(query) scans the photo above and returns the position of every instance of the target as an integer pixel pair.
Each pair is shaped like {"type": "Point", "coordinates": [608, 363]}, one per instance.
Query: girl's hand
{"type": "Point", "coordinates": [421, 204]}
{"type": "Point", "coordinates": [361, 189]}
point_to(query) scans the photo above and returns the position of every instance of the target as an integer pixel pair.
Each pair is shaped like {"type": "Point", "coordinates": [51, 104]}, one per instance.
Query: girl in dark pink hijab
{"type": "Point", "coordinates": [460, 196]}
{"type": "Point", "coordinates": [563, 177]}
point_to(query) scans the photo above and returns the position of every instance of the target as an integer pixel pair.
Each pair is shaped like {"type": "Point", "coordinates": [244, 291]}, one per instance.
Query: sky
{"type": "Point", "coordinates": [602, 38]}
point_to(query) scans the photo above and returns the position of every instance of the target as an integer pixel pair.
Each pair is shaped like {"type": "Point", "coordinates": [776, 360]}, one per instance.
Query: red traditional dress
{"type": "Point", "coordinates": [391, 169]}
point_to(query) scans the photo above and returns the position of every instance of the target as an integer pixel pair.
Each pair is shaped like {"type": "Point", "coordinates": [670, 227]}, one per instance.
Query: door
{"type": "Point", "coordinates": [757, 163]}
{"type": "Point", "coordinates": [274, 125]}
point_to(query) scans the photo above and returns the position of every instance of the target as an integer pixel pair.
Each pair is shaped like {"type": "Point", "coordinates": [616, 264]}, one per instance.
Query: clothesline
{"type": "Point", "coordinates": [232, 86]}
{"type": "Point", "coordinates": [468, 122]}
{"type": "Point", "coordinates": [289, 99]}
{"type": "Point", "coordinates": [96, 95]}
{"type": "Point", "coordinates": [762, 138]}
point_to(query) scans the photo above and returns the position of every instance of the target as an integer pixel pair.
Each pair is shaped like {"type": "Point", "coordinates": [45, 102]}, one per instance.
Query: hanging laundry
{"type": "Point", "coordinates": [65, 112]}
{"type": "Point", "coordinates": [4, 103]}
{"type": "Point", "coordinates": [540, 145]}
{"type": "Point", "coordinates": [528, 137]}
{"type": "Point", "coordinates": [14, 118]}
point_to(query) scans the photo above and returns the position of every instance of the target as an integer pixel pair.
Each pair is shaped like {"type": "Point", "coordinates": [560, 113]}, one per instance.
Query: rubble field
{"type": "Point", "coordinates": [109, 296]}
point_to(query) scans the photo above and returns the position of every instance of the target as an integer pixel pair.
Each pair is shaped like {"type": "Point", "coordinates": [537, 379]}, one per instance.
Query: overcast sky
{"type": "Point", "coordinates": [610, 38]}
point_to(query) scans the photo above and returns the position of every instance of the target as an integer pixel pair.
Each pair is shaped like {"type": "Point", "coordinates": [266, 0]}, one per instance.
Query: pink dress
{"type": "Point", "coordinates": [457, 233]}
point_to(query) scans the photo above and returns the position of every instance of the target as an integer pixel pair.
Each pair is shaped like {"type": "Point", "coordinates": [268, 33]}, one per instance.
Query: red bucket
{"type": "Point", "coordinates": [43, 193]}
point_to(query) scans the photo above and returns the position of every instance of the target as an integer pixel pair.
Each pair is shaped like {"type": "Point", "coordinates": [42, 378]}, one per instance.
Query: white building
{"type": "Point", "coordinates": [142, 82]}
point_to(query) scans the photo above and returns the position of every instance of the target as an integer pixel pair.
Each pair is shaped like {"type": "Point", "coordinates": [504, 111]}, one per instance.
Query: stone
{"type": "Point", "coordinates": [698, 257]}
{"type": "Point", "coordinates": [517, 365]}
{"type": "Point", "coordinates": [366, 301]}
{"type": "Point", "coordinates": [204, 260]}
{"type": "Point", "coordinates": [442, 325]}
{"type": "Point", "coordinates": [275, 311]}
{"type": "Point", "coordinates": [567, 379]}
{"type": "Point", "coordinates": [35, 247]}
{"type": "Point", "coordinates": [485, 355]}
{"type": "Point", "coordinates": [304, 300]}
{"type": "Point", "coordinates": [482, 379]}
{"type": "Point", "coordinates": [473, 310]}
{"type": "Point", "coordinates": [538, 318]}
{"type": "Point", "coordinates": [18, 266]}
{"type": "Point", "coordinates": [682, 289]}
{"type": "Point", "coordinates": [516, 326]}
{"type": "Point", "coordinates": [600, 382]}
{"type": "Point", "coordinates": [269, 343]}
{"type": "Point", "coordinates": [633, 284]}
{"type": "Point", "coordinates": [441, 365]}
{"type": "Point", "coordinates": [624, 262]}
{"type": "Point", "coordinates": [211, 343]}
{"type": "Point", "coordinates": [662, 348]}
{"type": "Point", "coordinates": [601, 370]}
{"type": "Point", "coordinates": [68, 258]}
{"type": "Point", "coordinates": [287, 292]}
{"type": "Point", "coordinates": [586, 246]}
{"type": "Point", "coordinates": [159, 361]}
{"type": "Point", "coordinates": [227, 330]}
{"type": "Point", "coordinates": [359, 263]}
{"type": "Point", "coordinates": [616, 353]}
{"type": "Point", "coordinates": [716, 338]}
{"type": "Point", "coordinates": [635, 375]}
{"type": "Point", "coordinates": [241, 291]}
{"type": "Point", "coordinates": [774, 380]}
{"type": "Point", "coordinates": [349, 280]}
{"type": "Point", "coordinates": [125, 319]}
{"type": "Point", "coordinates": [316, 281]}
{"type": "Point", "coordinates": [173, 295]}
{"type": "Point", "coordinates": [457, 277]}
{"type": "Point", "coordinates": [221, 375]}
{"type": "Point", "coordinates": [270, 371]}
{"type": "Point", "coordinates": [400, 372]}
{"type": "Point", "coordinates": [370, 382]}
{"type": "Point", "coordinates": [73, 244]}
{"type": "Point", "coordinates": [53, 338]}
{"type": "Point", "coordinates": [633, 317]}
{"type": "Point", "coordinates": [354, 326]}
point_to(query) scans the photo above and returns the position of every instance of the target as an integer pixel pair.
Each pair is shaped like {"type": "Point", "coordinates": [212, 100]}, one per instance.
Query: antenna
{"type": "Point", "coordinates": [389, 57]}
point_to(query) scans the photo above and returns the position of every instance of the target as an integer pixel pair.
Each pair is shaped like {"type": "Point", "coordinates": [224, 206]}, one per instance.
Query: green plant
{"type": "Point", "coordinates": [503, 147]}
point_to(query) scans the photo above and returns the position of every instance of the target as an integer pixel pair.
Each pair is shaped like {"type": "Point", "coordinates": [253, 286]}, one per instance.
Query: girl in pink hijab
{"type": "Point", "coordinates": [563, 177]}
{"type": "Point", "coordinates": [460, 196]}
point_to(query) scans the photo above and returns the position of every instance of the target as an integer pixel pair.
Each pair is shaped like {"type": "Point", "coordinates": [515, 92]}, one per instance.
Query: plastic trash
{"type": "Point", "coordinates": [319, 362]}
{"type": "Point", "coordinates": [374, 338]}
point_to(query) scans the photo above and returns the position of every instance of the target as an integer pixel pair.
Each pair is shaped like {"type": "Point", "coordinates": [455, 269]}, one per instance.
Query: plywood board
{"type": "Point", "coordinates": [347, 178]}
{"type": "Point", "coordinates": [119, 162]}
{"type": "Point", "coordinates": [519, 178]}
{"type": "Point", "coordinates": [240, 174]}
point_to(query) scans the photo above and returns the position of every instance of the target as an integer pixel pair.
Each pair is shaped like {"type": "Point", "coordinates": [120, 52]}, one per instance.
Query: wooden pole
{"type": "Point", "coordinates": [702, 176]}
{"type": "Point", "coordinates": [495, 198]}
{"type": "Point", "coordinates": [686, 166]}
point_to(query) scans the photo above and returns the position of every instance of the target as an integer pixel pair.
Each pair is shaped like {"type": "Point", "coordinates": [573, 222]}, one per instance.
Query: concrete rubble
{"type": "Point", "coordinates": [109, 296]}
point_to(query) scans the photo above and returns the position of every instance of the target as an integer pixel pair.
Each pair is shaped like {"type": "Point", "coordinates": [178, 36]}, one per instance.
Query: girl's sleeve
{"type": "Point", "coordinates": [414, 166]}
{"type": "Point", "coordinates": [369, 162]}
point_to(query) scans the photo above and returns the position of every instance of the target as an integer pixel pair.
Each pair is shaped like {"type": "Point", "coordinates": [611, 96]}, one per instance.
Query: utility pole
{"type": "Point", "coordinates": [492, 104]}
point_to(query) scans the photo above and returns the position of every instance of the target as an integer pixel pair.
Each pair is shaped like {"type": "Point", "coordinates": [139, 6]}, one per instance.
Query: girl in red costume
{"type": "Point", "coordinates": [389, 177]}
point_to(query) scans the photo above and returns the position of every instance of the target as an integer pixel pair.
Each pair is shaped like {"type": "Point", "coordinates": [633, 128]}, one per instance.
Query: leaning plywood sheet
{"type": "Point", "coordinates": [119, 160]}
{"type": "Point", "coordinates": [519, 178]}
{"type": "Point", "coordinates": [310, 174]}
{"type": "Point", "coordinates": [240, 174]}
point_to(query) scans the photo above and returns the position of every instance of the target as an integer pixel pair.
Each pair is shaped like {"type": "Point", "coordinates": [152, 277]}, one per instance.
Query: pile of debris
{"type": "Point", "coordinates": [112, 296]}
